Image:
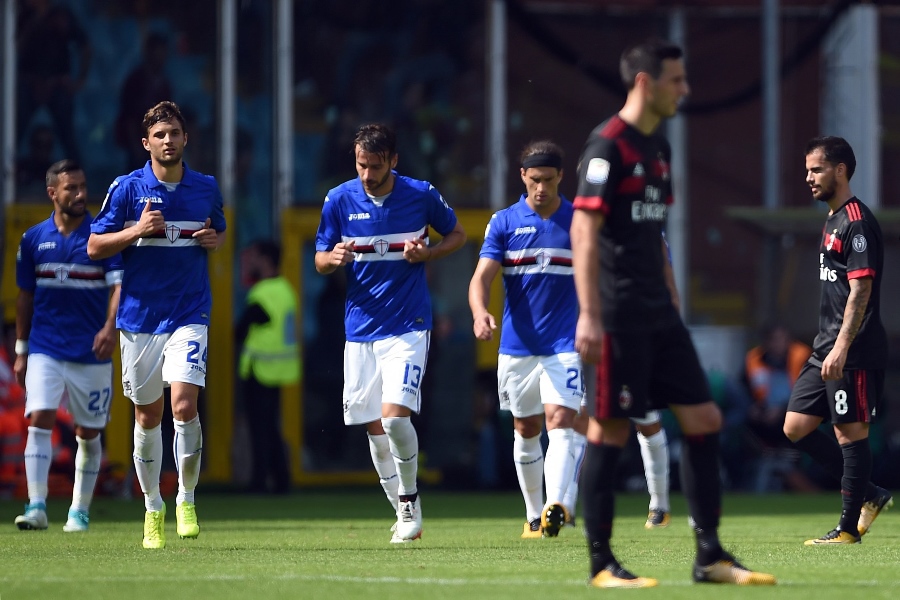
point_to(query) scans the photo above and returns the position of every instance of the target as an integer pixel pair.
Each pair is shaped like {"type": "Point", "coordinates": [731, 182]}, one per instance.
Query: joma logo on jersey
{"type": "Point", "coordinates": [46, 246]}
{"type": "Point", "coordinates": [648, 211]}
{"type": "Point", "coordinates": [150, 199]}
{"type": "Point", "coordinates": [523, 230]}
{"type": "Point", "coordinates": [359, 216]}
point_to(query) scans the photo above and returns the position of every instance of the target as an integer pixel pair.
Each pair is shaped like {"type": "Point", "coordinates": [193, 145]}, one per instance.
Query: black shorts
{"type": "Point", "coordinates": [647, 370]}
{"type": "Point", "coordinates": [855, 398]}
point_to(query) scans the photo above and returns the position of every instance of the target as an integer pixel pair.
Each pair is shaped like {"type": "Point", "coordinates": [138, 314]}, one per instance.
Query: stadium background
{"type": "Point", "coordinates": [272, 103]}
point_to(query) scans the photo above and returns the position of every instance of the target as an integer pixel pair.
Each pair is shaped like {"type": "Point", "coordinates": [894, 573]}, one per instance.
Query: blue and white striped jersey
{"type": "Point", "coordinates": [386, 296]}
{"type": "Point", "coordinates": [71, 291]}
{"type": "Point", "coordinates": [166, 282]}
{"type": "Point", "coordinates": [541, 308]}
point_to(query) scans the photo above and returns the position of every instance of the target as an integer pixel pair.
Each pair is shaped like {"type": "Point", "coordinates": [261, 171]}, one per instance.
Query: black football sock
{"type": "Point", "coordinates": [597, 487]}
{"type": "Point", "coordinates": [702, 486]}
{"type": "Point", "coordinates": [857, 471]}
{"type": "Point", "coordinates": [827, 453]}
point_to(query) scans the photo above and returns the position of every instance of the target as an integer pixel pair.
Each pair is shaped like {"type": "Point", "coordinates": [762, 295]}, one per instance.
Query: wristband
{"type": "Point", "coordinates": [21, 347]}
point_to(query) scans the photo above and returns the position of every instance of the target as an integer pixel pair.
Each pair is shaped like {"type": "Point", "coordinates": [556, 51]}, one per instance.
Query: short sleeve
{"type": "Point", "coordinates": [441, 216]}
{"type": "Point", "coordinates": [494, 246]}
{"type": "Point", "coordinates": [217, 218]}
{"type": "Point", "coordinates": [113, 212]}
{"type": "Point", "coordinates": [599, 171]}
{"type": "Point", "coordinates": [329, 232]}
{"type": "Point", "coordinates": [25, 277]}
{"type": "Point", "coordinates": [860, 251]}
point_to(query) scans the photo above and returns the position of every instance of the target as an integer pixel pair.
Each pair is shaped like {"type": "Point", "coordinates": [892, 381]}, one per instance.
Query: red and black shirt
{"type": "Point", "coordinates": [625, 175]}
{"type": "Point", "coordinates": [851, 248]}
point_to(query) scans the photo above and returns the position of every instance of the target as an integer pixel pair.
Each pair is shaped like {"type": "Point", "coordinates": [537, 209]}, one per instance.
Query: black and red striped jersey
{"type": "Point", "coordinates": [625, 175]}
{"type": "Point", "coordinates": [852, 247]}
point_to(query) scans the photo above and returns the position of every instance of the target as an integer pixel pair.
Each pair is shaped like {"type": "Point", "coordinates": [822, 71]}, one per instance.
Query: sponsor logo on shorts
{"type": "Point", "coordinates": [126, 387]}
{"type": "Point", "coordinates": [625, 398]}
{"type": "Point", "coordinates": [346, 406]}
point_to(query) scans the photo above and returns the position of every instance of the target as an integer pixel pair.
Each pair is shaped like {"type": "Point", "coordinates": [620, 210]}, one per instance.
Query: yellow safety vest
{"type": "Point", "coordinates": [271, 352]}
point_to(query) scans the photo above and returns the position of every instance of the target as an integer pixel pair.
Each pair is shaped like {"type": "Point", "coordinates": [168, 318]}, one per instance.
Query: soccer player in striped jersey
{"type": "Point", "coordinates": [164, 219]}
{"type": "Point", "coordinates": [843, 380]}
{"type": "Point", "coordinates": [539, 373]}
{"type": "Point", "coordinates": [66, 334]}
{"type": "Point", "coordinates": [628, 320]}
{"type": "Point", "coordinates": [376, 227]}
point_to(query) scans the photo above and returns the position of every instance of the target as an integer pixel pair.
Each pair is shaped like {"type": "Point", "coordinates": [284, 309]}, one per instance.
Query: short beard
{"type": "Point", "coordinates": [69, 211]}
{"type": "Point", "coordinates": [170, 162]}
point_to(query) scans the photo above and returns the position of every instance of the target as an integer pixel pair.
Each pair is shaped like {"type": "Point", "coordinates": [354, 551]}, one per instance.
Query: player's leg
{"type": "Point", "coordinates": [614, 388]}
{"type": "Point", "coordinates": [518, 387]}
{"type": "Point", "coordinates": [562, 391]}
{"type": "Point", "coordinates": [402, 362]}
{"type": "Point", "coordinates": [362, 405]}
{"type": "Point", "coordinates": [45, 384]}
{"type": "Point", "coordinates": [678, 376]}
{"type": "Point", "coordinates": [655, 455]}
{"type": "Point", "coordinates": [184, 369]}
{"type": "Point", "coordinates": [142, 356]}
{"type": "Point", "coordinates": [579, 444]}
{"type": "Point", "coordinates": [89, 388]}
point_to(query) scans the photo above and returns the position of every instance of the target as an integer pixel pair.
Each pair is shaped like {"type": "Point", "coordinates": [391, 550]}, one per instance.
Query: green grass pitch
{"type": "Point", "coordinates": [334, 544]}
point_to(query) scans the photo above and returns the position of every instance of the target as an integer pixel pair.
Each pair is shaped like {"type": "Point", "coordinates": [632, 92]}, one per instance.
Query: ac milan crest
{"type": "Point", "coordinates": [625, 398]}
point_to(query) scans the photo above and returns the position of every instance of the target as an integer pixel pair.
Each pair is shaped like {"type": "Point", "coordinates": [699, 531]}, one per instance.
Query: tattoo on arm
{"type": "Point", "coordinates": [856, 308]}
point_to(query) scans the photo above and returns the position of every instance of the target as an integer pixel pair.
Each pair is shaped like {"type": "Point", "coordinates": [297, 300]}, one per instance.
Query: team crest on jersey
{"type": "Point", "coordinates": [61, 273]}
{"type": "Point", "coordinates": [542, 258]}
{"type": "Point", "coordinates": [597, 171]}
{"type": "Point", "coordinates": [831, 239]}
{"type": "Point", "coordinates": [859, 243]}
{"type": "Point", "coordinates": [381, 247]}
{"type": "Point", "coordinates": [173, 232]}
{"type": "Point", "coordinates": [625, 398]}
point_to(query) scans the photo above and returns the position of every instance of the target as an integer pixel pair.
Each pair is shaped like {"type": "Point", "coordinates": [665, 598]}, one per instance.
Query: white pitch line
{"type": "Point", "coordinates": [458, 581]}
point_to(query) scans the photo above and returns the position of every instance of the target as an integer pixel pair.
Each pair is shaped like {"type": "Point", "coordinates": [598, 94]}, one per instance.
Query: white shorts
{"type": "Point", "coordinates": [385, 371]}
{"type": "Point", "coordinates": [152, 361]}
{"type": "Point", "coordinates": [84, 389]}
{"type": "Point", "coordinates": [526, 383]}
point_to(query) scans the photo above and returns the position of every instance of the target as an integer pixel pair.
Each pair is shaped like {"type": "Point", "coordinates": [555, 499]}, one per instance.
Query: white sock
{"type": "Point", "coordinates": [148, 454]}
{"type": "Point", "coordinates": [380, 449]}
{"type": "Point", "coordinates": [529, 459]}
{"type": "Point", "coordinates": [558, 463]}
{"type": "Point", "coordinates": [87, 468]}
{"type": "Point", "coordinates": [655, 452]}
{"type": "Point", "coordinates": [188, 448]}
{"type": "Point", "coordinates": [38, 455]}
{"type": "Point", "coordinates": [570, 500]}
{"type": "Point", "coordinates": [404, 444]}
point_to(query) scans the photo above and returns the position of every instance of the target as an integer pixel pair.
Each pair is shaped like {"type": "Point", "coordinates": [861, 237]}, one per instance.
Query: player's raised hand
{"type": "Point", "coordinates": [484, 326]}
{"type": "Point", "coordinates": [208, 238]}
{"type": "Point", "coordinates": [416, 250]}
{"type": "Point", "coordinates": [343, 253]}
{"type": "Point", "coordinates": [151, 221]}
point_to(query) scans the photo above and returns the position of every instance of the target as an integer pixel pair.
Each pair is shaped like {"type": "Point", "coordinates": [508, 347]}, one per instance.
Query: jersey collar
{"type": "Point", "coordinates": [149, 175]}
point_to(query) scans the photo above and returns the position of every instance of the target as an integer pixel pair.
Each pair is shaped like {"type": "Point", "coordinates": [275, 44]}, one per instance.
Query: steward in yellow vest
{"type": "Point", "coordinates": [270, 359]}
